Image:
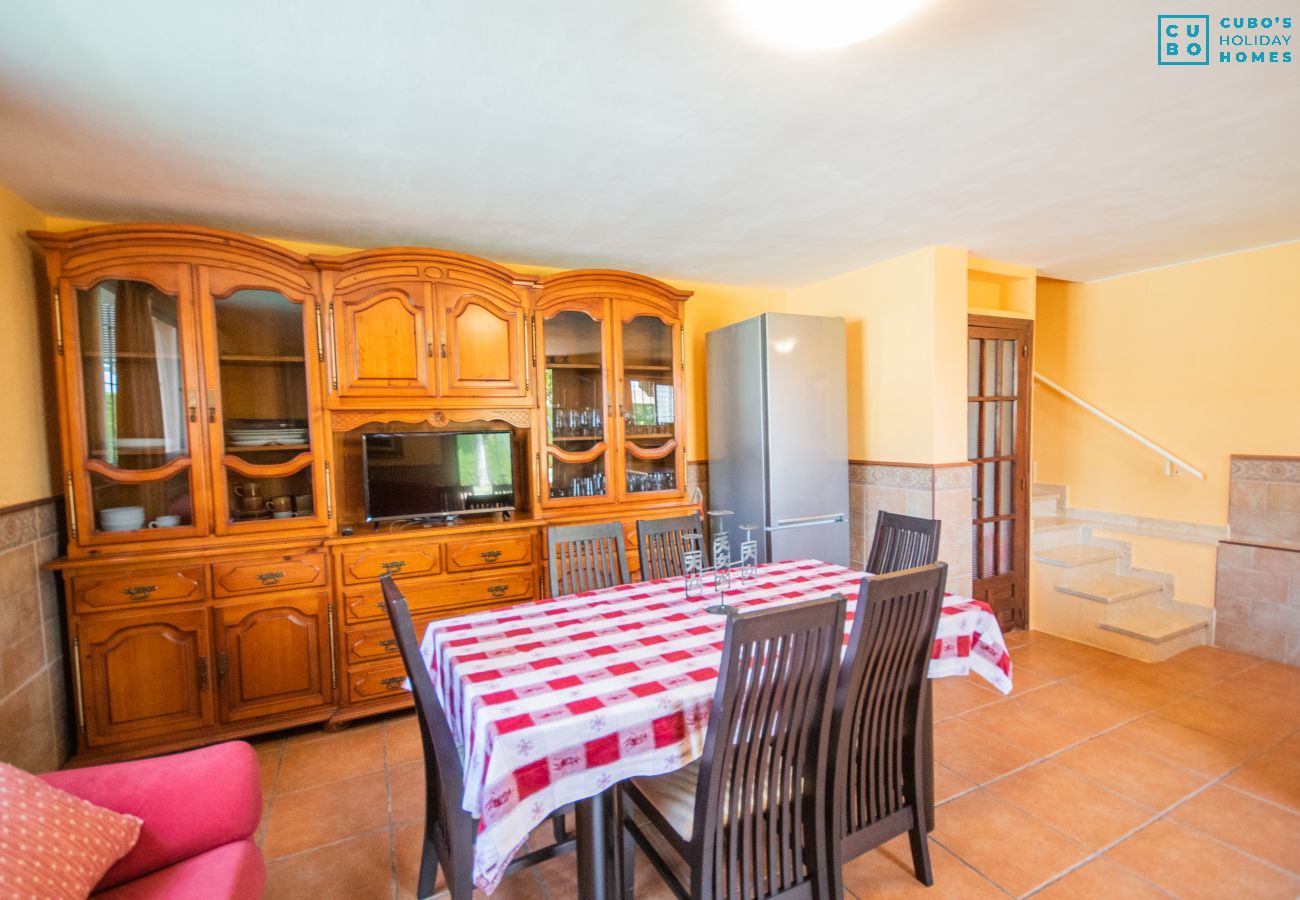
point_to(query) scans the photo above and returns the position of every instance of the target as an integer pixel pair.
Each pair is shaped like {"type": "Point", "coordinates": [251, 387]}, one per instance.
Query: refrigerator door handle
{"type": "Point", "coordinates": [805, 521]}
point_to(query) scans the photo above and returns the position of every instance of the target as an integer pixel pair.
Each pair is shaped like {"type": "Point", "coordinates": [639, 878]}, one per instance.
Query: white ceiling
{"type": "Point", "coordinates": [652, 134]}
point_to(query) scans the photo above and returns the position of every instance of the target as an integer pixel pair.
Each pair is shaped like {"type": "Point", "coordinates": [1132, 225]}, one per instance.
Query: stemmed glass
{"type": "Point", "coordinates": [748, 556]}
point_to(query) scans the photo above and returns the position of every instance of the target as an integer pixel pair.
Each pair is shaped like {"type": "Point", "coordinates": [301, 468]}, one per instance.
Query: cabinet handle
{"type": "Point", "coordinates": [139, 591]}
{"type": "Point", "coordinates": [320, 336]}
{"type": "Point", "coordinates": [329, 493]}
{"type": "Point", "coordinates": [194, 406]}
{"type": "Point", "coordinates": [72, 508]}
{"type": "Point", "coordinates": [76, 678]}
{"type": "Point", "coordinates": [683, 343]}
{"type": "Point", "coordinates": [58, 322]}
{"type": "Point", "coordinates": [202, 673]}
{"type": "Point", "coordinates": [334, 351]}
{"type": "Point", "coordinates": [527, 368]}
{"type": "Point", "coordinates": [534, 339]}
{"type": "Point", "coordinates": [334, 667]}
{"type": "Point", "coordinates": [223, 667]}
{"type": "Point", "coordinates": [392, 566]}
{"type": "Point", "coordinates": [393, 682]}
{"type": "Point", "coordinates": [490, 555]}
{"type": "Point", "coordinates": [443, 336]}
{"type": "Point", "coordinates": [212, 406]}
{"type": "Point", "coordinates": [497, 590]}
{"type": "Point", "coordinates": [388, 643]}
{"type": "Point", "coordinates": [428, 343]}
{"type": "Point", "coordinates": [269, 578]}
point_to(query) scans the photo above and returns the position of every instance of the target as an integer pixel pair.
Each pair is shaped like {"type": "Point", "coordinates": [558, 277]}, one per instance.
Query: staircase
{"type": "Point", "coordinates": [1085, 588]}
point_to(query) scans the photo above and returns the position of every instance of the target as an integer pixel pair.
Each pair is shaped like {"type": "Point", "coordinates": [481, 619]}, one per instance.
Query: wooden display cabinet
{"type": "Point", "coordinates": [212, 388]}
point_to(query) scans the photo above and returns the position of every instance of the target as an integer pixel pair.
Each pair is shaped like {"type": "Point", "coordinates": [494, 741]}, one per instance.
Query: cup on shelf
{"type": "Point", "coordinates": [165, 522]}
{"type": "Point", "coordinates": [251, 504]}
{"type": "Point", "coordinates": [304, 504]}
{"type": "Point", "coordinates": [249, 490]}
{"type": "Point", "coordinates": [283, 504]}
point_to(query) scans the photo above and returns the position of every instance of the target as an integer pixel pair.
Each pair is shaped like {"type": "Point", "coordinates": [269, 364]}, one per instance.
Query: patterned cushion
{"type": "Point", "coordinates": [53, 844]}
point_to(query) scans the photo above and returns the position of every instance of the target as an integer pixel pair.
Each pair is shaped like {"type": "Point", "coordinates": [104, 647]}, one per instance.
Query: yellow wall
{"type": "Point", "coordinates": [906, 322]}
{"type": "Point", "coordinates": [25, 449]}
{"type": "Point", "coordinates": [1199, 357]}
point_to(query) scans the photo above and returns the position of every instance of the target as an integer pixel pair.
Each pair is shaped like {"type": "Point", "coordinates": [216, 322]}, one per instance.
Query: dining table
{"type": "Point", "coordinates": [556, 701]}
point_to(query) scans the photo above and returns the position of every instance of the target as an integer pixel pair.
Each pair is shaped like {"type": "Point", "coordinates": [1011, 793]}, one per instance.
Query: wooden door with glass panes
{"type": "Point", "coordinates": [998, 371]}
{"type": "Point", "coordinates": [648, 391]}
{"type": "Point", "coordinates": [262, 401]}
{"type": "Point", "coordinates": [134, 441]}
{"type": "Point", "coordinates": [574, 345]}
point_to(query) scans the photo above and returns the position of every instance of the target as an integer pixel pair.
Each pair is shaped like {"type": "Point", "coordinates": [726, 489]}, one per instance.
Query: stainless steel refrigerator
{"type": "Point", "coordinates": [778, 434]}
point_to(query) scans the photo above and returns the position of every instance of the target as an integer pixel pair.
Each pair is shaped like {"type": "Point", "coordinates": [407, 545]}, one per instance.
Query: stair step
{"type": "Point", "coordinates": [1044, 523]}
{"type": "Point", "coordinates": [1153, 625]}
{"type": "Point", "coordinates": [1111, 588]}
{"type": "Point", "coordinates": [1075, 555]}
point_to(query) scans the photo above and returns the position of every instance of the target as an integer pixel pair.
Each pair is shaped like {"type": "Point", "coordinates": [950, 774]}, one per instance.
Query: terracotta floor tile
{"type": "Point", "coordinates": [977, 755]}
{"type": "Point", "coordinates": [407, 842]}
{"type": "Point", "coordinates": [360, 868]}
{"type": "Point", "coordinates": [1181, 745]}
{"type": "Point", "coordinates": [1246, 697]}
{"type": "Point", "coordinates": [1216, 661]}
{"type": "Point", "coordinates": [948, 784]}
{"type": "Point", "coordinates": [268, 762]}
{"type": "Point", "coordinates": [1139, 776]}
{"type": "Point", "coordinates": [1172, 675]}
{"type": "Point", "coordinates": [1226, 722]}
{"type": "Point", "coordinates": [1192, 865]}
{"type": "Point", "coordinates": [1101, 878]}
{"type": "Point", "coordinates": [1271, 676]}
{"type": "Point", "coordinates": [406, 791]}
{"type": "Point", "coordinates": [1080, 706]}
{"type": "Point", "coordinates": [1054, 661]}
{"type": "Point", "coordinates": [1017, 720]}
{"type": "Point", "coordinates": [325, 814]}
{"type": "Point", "coordinates": [1072, 803]}
{"type": "Point", "coordinates": [954, 696]}
{"type": "Point", "coordinates": [343, 755]}
{"type": "Point", "coordinates": [886, 873]}
{"type": "Point", "coordinates": [1006, 845]}
{"type": "Point", "coordinates": [1256, 826]}
{"type": "Point", "coordinates": [1125, 687]}
{"type": "Point", "coordinates": [1024, 681]}
{"type": "Point", "coordinates": [1271, 776]}
{"type": "Point", "coordinates": [402, 739]}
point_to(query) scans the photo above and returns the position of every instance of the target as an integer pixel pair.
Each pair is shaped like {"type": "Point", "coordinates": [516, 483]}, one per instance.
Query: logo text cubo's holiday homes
{"type": "Point", "coordinates": [1196, 40]}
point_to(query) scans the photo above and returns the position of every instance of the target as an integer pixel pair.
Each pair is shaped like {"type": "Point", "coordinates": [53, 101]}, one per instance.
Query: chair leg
{"type": "Point", "coordinates": [627, 854]}
{"type": "Point", "coordinates": [428, 883]}
{"type": "Point", "coordinates": [918, 834]}
{"type": "Point", "coordinates": [558, 829]}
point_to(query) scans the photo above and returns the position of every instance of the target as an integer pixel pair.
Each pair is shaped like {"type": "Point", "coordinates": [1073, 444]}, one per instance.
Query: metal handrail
{"type": "Point", "coordinates": [1173, 464]}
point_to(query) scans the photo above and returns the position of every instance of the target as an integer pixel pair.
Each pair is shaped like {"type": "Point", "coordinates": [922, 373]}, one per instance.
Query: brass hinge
{"type": "Point", "coordinates": [329, 493]}
{"type": "Point", "coordinates": [76, 671]}
{"type": "Point", "coordinates": [212, 406]}
{"type": "Point", "coordinates": [320, 336]}
{"type": "Point", "coordinates": [428, 343]}
{"type": "Point", "coordinates": [202, 673]}
{"type": "Point", "coordinates": [194, 405]}
{"type": "Point", "coordinates": [58, 321]}
{"type": "Point", "coordinates": [443, 336]}
{"type": "Point", "coordinates": [72, 508]}
{"type": "Point", "coordinates": [334, 672]}
{"type": "Point", "coordinates": [1024, 350]}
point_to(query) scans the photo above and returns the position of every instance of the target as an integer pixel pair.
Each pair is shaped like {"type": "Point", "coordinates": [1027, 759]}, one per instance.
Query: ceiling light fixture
{"type": "Point", "coordinates": [819, 24]}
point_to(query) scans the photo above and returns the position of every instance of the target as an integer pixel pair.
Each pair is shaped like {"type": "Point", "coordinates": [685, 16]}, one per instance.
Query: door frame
{"type": "Point", "coordinates": [1021, 330]}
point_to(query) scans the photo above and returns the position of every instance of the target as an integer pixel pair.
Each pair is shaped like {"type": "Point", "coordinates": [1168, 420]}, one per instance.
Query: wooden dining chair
{"type": "Point", "coordinates": [449, 831]}
{"type": "Point", "coordinates": [749, 818]}
{"type": "Point", "coordinates": [660, 543]}
{"type": "Point", "coordinates": [902, 542]}
{"type": "Point", "coordinates": [877, 775]}
{"type": "Point", "coordinates": [586, 557]}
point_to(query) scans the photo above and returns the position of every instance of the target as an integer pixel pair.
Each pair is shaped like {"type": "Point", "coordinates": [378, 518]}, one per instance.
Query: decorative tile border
{"type": "Point", "coordinates": [1266, 468]}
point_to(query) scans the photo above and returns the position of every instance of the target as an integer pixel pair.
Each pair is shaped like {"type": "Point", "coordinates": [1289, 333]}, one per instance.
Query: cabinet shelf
{"type": "Point", "coordinates": [629, 367]}
{"type": "Point", "coordinates": [578, 367]}
{"type": "Point", "coordinates": [657, 436]}
{"type": "Point", "coordinates": [266, 448]}
{"type": "Point", "coordinates": [573, 438]}
{"type": "Point", "coordinates": [131, 356]}
{"type": "Point", "coordinates": [262, 360]}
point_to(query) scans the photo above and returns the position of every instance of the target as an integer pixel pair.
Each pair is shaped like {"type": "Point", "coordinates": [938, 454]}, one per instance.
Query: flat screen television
{"type": "Point", "coordinates": [418, 475]}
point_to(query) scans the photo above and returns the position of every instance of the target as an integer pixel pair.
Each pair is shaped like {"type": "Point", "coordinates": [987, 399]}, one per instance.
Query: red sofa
{"type": "Point", "coordinates": [200, 811]}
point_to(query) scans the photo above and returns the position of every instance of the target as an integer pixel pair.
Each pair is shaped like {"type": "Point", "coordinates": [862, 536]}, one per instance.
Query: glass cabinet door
{"type": "Point", "coordinates": [139, 405]}
{"type": "Point", "coordinates": [264, 457]}
{"type": "Point", "coordinates": [648, 404]}
{"type": "Point", "coordinates": [576, 463]}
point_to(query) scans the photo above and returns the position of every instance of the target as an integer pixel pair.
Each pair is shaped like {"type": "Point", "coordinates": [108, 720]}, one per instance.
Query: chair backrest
{"type": "Point", "coordinates": [586, 557]}
{"type": "Point", "coordinates": [878, 694]}
{"type": "Point", "coordinates": [660, 543]}
{"type": "Point", "coordinates": [443, 772]}
{"type": "Point", "coordinates": [902, 542]}
{"type": "Point", "coordinates": [760, 826]}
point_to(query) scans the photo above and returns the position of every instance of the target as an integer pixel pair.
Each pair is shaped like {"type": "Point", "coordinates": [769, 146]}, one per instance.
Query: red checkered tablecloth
{"type": "Point", "coordinates": [552, 702]}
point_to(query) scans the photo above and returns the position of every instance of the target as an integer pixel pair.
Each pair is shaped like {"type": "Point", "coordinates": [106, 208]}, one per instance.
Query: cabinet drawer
{"type": "Point", "coordinates": [263, 573]}
{"type": "Point", "coordinates": [376, 683]}
{"type": "Point", "coordinates": [376, 642]}
{"type": "Point", "coordinates": [118, 589]}
{"type": "Point", "coordinates": [401, 561]}
{"type": "Point", "coordinates": [483, 552]}
{"type": "Point", "coordinates": [444, 596]}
